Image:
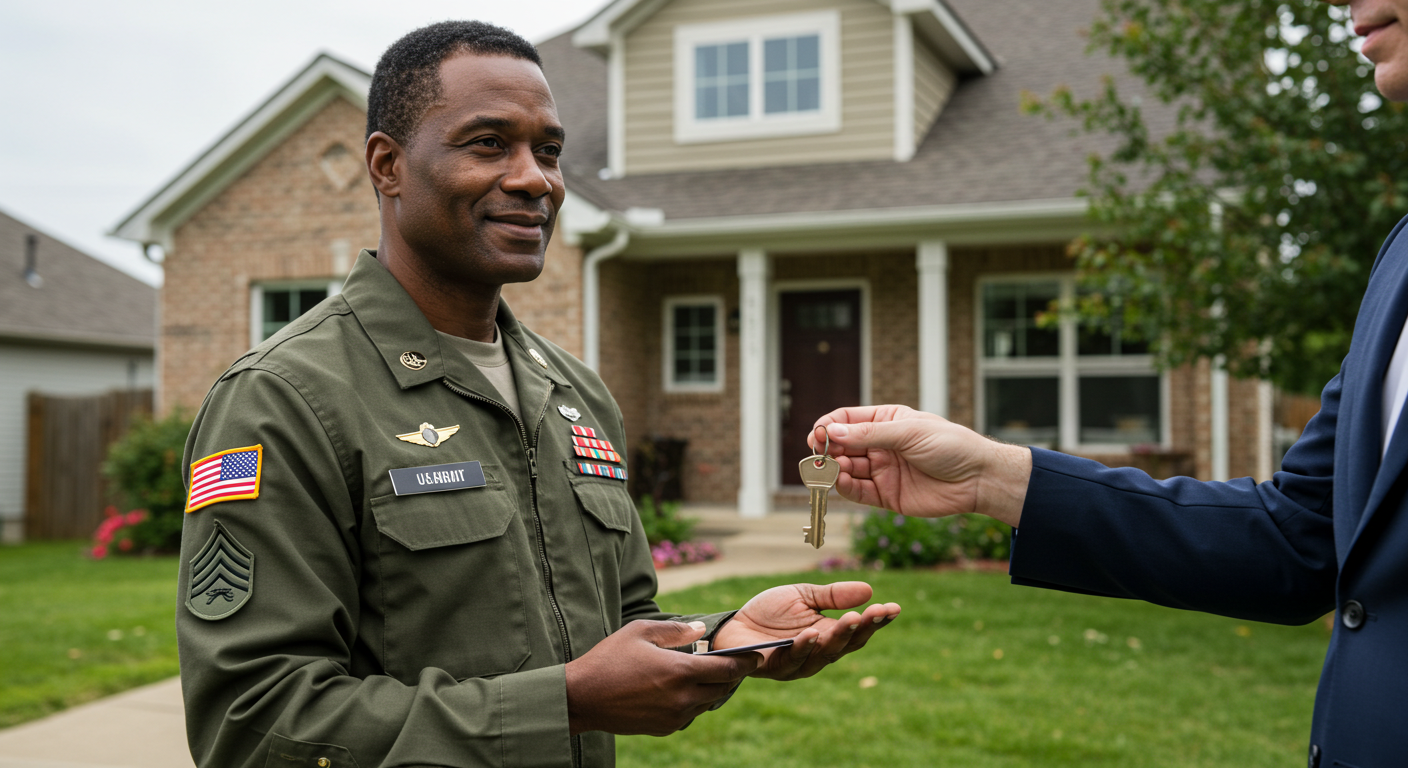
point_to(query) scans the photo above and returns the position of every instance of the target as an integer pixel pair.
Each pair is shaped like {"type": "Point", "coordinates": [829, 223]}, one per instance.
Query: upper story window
{"type": "Point", "coordinates": [694, 344]}
{"type": "Point", "coordinates": [274, 305]}
{"type": "Point", "coordinates": [758, 77]}
{"type": "Point", "coordinates": [1073, 386]}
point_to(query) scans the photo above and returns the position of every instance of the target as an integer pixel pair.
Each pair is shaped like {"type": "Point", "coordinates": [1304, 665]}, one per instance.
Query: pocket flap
{"type": "Point", "coordinates": [606, 500]}
{"type": "Point", "coordinates": [429, 520]}
{"type": "Point", "coordinates": [288, 753]}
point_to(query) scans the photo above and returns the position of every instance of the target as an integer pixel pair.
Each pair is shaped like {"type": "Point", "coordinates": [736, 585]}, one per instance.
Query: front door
{"type": "Point", "coordinates": [820, 365]}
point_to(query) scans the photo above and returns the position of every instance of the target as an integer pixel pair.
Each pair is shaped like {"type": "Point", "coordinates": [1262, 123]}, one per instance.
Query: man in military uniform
{"type": "Point", "coordinates": [408, 538]}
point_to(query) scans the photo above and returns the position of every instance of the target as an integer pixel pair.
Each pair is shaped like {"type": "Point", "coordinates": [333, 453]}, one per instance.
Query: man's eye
{"type": "Point", "coordinates": [551, 149]}
{"type": "Point", "coordinates": [487, 141]}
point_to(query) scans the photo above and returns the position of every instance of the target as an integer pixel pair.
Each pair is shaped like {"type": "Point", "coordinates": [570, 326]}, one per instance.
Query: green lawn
{"type": "Point", "coordinates": [74, 629]}
{"type": "Point", "coordinates": [1078, 680]}
{"type": "Point", "coordinates": [980, 673]}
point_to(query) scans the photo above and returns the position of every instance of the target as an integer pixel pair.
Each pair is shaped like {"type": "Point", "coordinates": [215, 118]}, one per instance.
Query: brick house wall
{"type": "Point", "coordinates": [282, 220]}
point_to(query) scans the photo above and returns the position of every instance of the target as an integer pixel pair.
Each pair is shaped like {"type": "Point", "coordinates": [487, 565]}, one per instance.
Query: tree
{"type": "Point", "coordinates": [1248, 227]}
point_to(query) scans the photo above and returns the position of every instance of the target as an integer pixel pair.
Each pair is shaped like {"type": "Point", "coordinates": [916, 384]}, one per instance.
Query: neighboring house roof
{"type": "Point", "coordinates": [982, 152]}
{"type": "Point", "coordinates": [324, 79]}
{"type": "Point", "coordinates": [72, 298]}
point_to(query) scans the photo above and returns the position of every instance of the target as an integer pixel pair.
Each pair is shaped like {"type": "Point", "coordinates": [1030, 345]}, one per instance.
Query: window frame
{"type": "Point", "coordinates": [333, 287]}
{"type": "Point", "coordinates": [667, 344]}
{"type": "Point", "coordinates": [1068, 366]}
{"type": "Point", "coordinates": [757, 124]}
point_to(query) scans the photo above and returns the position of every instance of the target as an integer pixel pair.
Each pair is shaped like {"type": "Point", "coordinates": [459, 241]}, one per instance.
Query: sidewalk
{"type": "Point", "coordinates": [146, 727]}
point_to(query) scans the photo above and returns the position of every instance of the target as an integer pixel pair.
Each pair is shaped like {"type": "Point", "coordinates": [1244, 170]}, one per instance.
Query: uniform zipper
{"type": "Point", "coordinates": [531, 449]}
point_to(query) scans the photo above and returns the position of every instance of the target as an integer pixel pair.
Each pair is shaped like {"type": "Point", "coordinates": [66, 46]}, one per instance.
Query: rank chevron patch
{"type": "Point", "coordinates": [222, 577]}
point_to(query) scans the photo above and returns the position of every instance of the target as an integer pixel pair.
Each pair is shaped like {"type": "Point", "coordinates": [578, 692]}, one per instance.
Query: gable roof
{"type": "Point", "coordinates": [325, 78]}
{"type": "Point", "coordinates": [954, 41]}
{"type": "Point", "coordinates": [982, 155]}
{"type": "Point", "coordinates": [76, 300]}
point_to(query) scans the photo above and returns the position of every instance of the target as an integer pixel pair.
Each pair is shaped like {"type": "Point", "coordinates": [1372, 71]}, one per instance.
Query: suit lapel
{"type": "Point", "coordinates": [1380, 323]}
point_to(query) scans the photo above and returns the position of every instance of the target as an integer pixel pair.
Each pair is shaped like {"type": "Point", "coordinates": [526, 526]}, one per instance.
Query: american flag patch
{"type": "Point", "coordinates": [587, 442]}
{"type": "Point", "coordinates": [583, 431]}
{"type": "Point", "coordinates": [592, 453]}
{"type": "Point", "coordinates": [225, 476]}
{"type": "Point", "coordinates": [601, 470]}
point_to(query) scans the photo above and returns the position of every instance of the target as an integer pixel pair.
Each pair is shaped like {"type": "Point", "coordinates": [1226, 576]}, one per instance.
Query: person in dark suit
{"type": "Point", "coordinates": [1328, 532]}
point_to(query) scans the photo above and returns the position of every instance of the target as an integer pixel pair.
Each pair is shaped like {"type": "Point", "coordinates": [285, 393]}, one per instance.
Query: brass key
{"type": "Point", "coordinates": [819, 474]}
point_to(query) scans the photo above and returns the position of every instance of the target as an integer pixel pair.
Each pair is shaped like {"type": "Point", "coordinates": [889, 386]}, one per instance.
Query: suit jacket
{"type": "Point", "coordinates": [1328, 532]}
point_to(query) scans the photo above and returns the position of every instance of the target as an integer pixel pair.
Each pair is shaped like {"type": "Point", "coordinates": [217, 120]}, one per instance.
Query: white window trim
{"type": "Point", "coordinates": [1067, 367]}
{"type": "Point", "coordinates": [826, 24]}
{"type": "Point", "coordinates": [256, 301]}
{"type": "Point", "coordinates": [667, 361]}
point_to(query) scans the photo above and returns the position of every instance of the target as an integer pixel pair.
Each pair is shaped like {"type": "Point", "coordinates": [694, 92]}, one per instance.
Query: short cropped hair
{"type": "Point", "coordinates": [407, 78]}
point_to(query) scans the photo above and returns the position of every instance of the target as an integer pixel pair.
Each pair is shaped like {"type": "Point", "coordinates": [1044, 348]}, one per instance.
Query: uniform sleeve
{"type": "Point", "coordinates": [273, 675]}
{"type": "Point", "coordinates": [1261, 552]}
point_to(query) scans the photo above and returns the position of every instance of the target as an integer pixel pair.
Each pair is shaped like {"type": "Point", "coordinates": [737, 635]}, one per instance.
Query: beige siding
{"type": "Point", "coordinates": [933, 84]}
{"type": "Point", "coordinates": [867, 91]}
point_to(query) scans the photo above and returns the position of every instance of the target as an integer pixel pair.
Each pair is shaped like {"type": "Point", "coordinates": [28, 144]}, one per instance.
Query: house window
{"type": "Point", "coordinates": [274, 305]}
{"type": "Point", "coordinates": [1072, 386]}
{"type": "Point", "coordinates": [758, 77]}
{"type": "Point", "coordinates": [693, 344]}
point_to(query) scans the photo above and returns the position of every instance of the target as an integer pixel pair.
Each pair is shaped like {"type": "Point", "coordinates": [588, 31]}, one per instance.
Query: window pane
{"type": "Point", "coordinates": [1094, 341]}
{"type": "Point", "coordinates": [695, 359]}
{"type": "Point", "coordinates": [276, 306]}
{"type": "Point", "coordinates": [720, 80]}
{"type": "Point", "coordinates": [1010, 320]}
{"type": "Point", "coordinates": [307, 299]}
{"type": "Point", "coordinates": [738, 59]}
{"type": "Point", "coordinates": [1122, 410]}
{"type": "Point", "coordinates": [1024, 411]}
{"type": "Point", "coordinates": [791, 74]}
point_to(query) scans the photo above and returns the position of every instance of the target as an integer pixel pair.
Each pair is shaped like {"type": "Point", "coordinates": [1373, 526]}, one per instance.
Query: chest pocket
{"type": "Point", "coordinates": [451, 574]}
{"type": "Point", "coordinates": [609, 518]}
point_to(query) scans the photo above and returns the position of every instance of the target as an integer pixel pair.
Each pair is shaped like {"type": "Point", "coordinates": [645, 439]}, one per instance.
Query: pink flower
{"type": "Point", "coordinates": [125, 545]}
{"type": "Point", "coordinates": [104, 537]}
{"type": "Point", "coordinates": [99, 552]}
{"type": "Point", "coordinates": [110, 511]}
{"type": "Point", "coordinates": [135, 516]}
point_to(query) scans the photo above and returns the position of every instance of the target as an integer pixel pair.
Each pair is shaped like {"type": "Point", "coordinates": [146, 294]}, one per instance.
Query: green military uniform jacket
{"type": "Point", "coordinates": [330, 622]}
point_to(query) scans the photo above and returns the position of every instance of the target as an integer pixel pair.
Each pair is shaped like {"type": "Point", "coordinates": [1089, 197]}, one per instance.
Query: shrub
{"type": "Point", "coordinates": [664, 522]}
{"type": "Point", "coordinates": [895, 541]}
{"type": "Point", "coordinates": [146, 469]}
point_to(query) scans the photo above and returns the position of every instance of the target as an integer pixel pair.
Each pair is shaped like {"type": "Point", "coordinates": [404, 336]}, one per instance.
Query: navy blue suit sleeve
{"type": "Point", "coordinates": [1261, 552]}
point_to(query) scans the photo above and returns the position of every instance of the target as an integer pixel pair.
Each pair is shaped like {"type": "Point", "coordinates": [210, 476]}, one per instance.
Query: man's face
{"type": "Point", "coordinates": [482, 185]}
{"type": "Point", "coordinates": [1384, 26]}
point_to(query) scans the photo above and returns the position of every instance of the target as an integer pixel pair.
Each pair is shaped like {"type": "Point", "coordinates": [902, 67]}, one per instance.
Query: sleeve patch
{"type": "Point", "coordinates": [222, 577]}
{"type": "Point", "coordinates": [225, 476]}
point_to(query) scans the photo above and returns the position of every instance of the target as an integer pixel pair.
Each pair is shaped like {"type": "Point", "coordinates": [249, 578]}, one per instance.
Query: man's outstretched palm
{"type": "Point", "coordinates": [795, 611]}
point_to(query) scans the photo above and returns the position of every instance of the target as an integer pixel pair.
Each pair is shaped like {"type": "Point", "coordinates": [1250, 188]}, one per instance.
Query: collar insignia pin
{"type": "Point", "coordinates": [413, 360]}
{"type": "Point", "coordinates": [539, 358]}
{"type": "Point", "coordinates": [571, 414]}
{"type": "Point", "coordinates": [429, 436]}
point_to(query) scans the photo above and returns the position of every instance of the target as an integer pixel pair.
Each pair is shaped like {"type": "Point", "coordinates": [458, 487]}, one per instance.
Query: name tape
{"type": "Point", "coordinates": [440, 477]}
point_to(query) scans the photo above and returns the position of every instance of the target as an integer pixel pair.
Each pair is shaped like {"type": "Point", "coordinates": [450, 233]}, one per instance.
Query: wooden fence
{"type": "Point", "coordinates": [69, 437]}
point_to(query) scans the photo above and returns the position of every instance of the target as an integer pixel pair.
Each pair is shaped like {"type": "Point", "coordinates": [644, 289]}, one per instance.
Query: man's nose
{"type": "Point", "coordinates": [525, 175]}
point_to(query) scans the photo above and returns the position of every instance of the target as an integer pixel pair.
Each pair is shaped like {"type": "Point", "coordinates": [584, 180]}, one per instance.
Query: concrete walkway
{"type": "Point", "coordinates": [146, 727]}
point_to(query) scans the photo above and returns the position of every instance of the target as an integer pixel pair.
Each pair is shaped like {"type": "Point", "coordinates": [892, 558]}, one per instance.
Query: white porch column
{"type": "Point", "coordinates": [1220, 433]}
{"type": "Point", "coordinates": [754, 490]}
{"type": "Point", "coordinates": [932, 263]}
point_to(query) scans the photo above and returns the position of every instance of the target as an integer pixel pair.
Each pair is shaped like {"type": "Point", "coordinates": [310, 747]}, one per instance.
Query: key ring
{"type": "Point", "coordinates": [827, 451]}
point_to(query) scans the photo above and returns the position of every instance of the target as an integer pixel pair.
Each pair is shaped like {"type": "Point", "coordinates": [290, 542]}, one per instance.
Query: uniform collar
{"type": "Point", "coordinates": [400, 331]}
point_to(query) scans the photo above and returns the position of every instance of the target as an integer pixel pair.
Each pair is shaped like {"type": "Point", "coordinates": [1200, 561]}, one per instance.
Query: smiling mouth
{"type": "Point", "coordinates": [1369, 30]}
{"type": "Point", "coordinates": [526, 226]}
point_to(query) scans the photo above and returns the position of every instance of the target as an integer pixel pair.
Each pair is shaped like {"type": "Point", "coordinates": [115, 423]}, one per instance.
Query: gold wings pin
{"type": "Point", "coordinates": [429, 436]}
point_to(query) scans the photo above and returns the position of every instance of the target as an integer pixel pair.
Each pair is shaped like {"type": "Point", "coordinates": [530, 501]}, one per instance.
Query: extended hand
{"type": "Point", "coordinates": [795, 611]}
{"type": "Point", "coordinates": [916, 463]}
{"type": "Point", "coordinates": [630, 683]}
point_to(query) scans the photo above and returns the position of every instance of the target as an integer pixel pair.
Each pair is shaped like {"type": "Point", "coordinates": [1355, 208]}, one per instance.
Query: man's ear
{"type": "Point", "coordinates": [384, 164]}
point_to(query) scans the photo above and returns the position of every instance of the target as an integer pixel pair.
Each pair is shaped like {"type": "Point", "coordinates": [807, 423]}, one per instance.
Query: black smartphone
{"type": "Point", "coordinates": [747, 648]}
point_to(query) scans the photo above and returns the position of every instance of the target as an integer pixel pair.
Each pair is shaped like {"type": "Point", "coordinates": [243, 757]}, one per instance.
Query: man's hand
{"type": "Point", "coordinates": [631, 683]}
{"type": "Point", "coordinates": [795, 611]}
{"type": "Point", "coordinates": [919, 464]}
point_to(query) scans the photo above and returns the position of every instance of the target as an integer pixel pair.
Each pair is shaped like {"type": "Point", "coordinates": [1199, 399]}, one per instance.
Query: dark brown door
{"type": "Point", "coordinates": [820, 365]}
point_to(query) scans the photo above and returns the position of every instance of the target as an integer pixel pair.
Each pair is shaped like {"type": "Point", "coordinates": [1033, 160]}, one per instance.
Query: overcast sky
{"type": "Point", "coordinates": [102, 102]}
